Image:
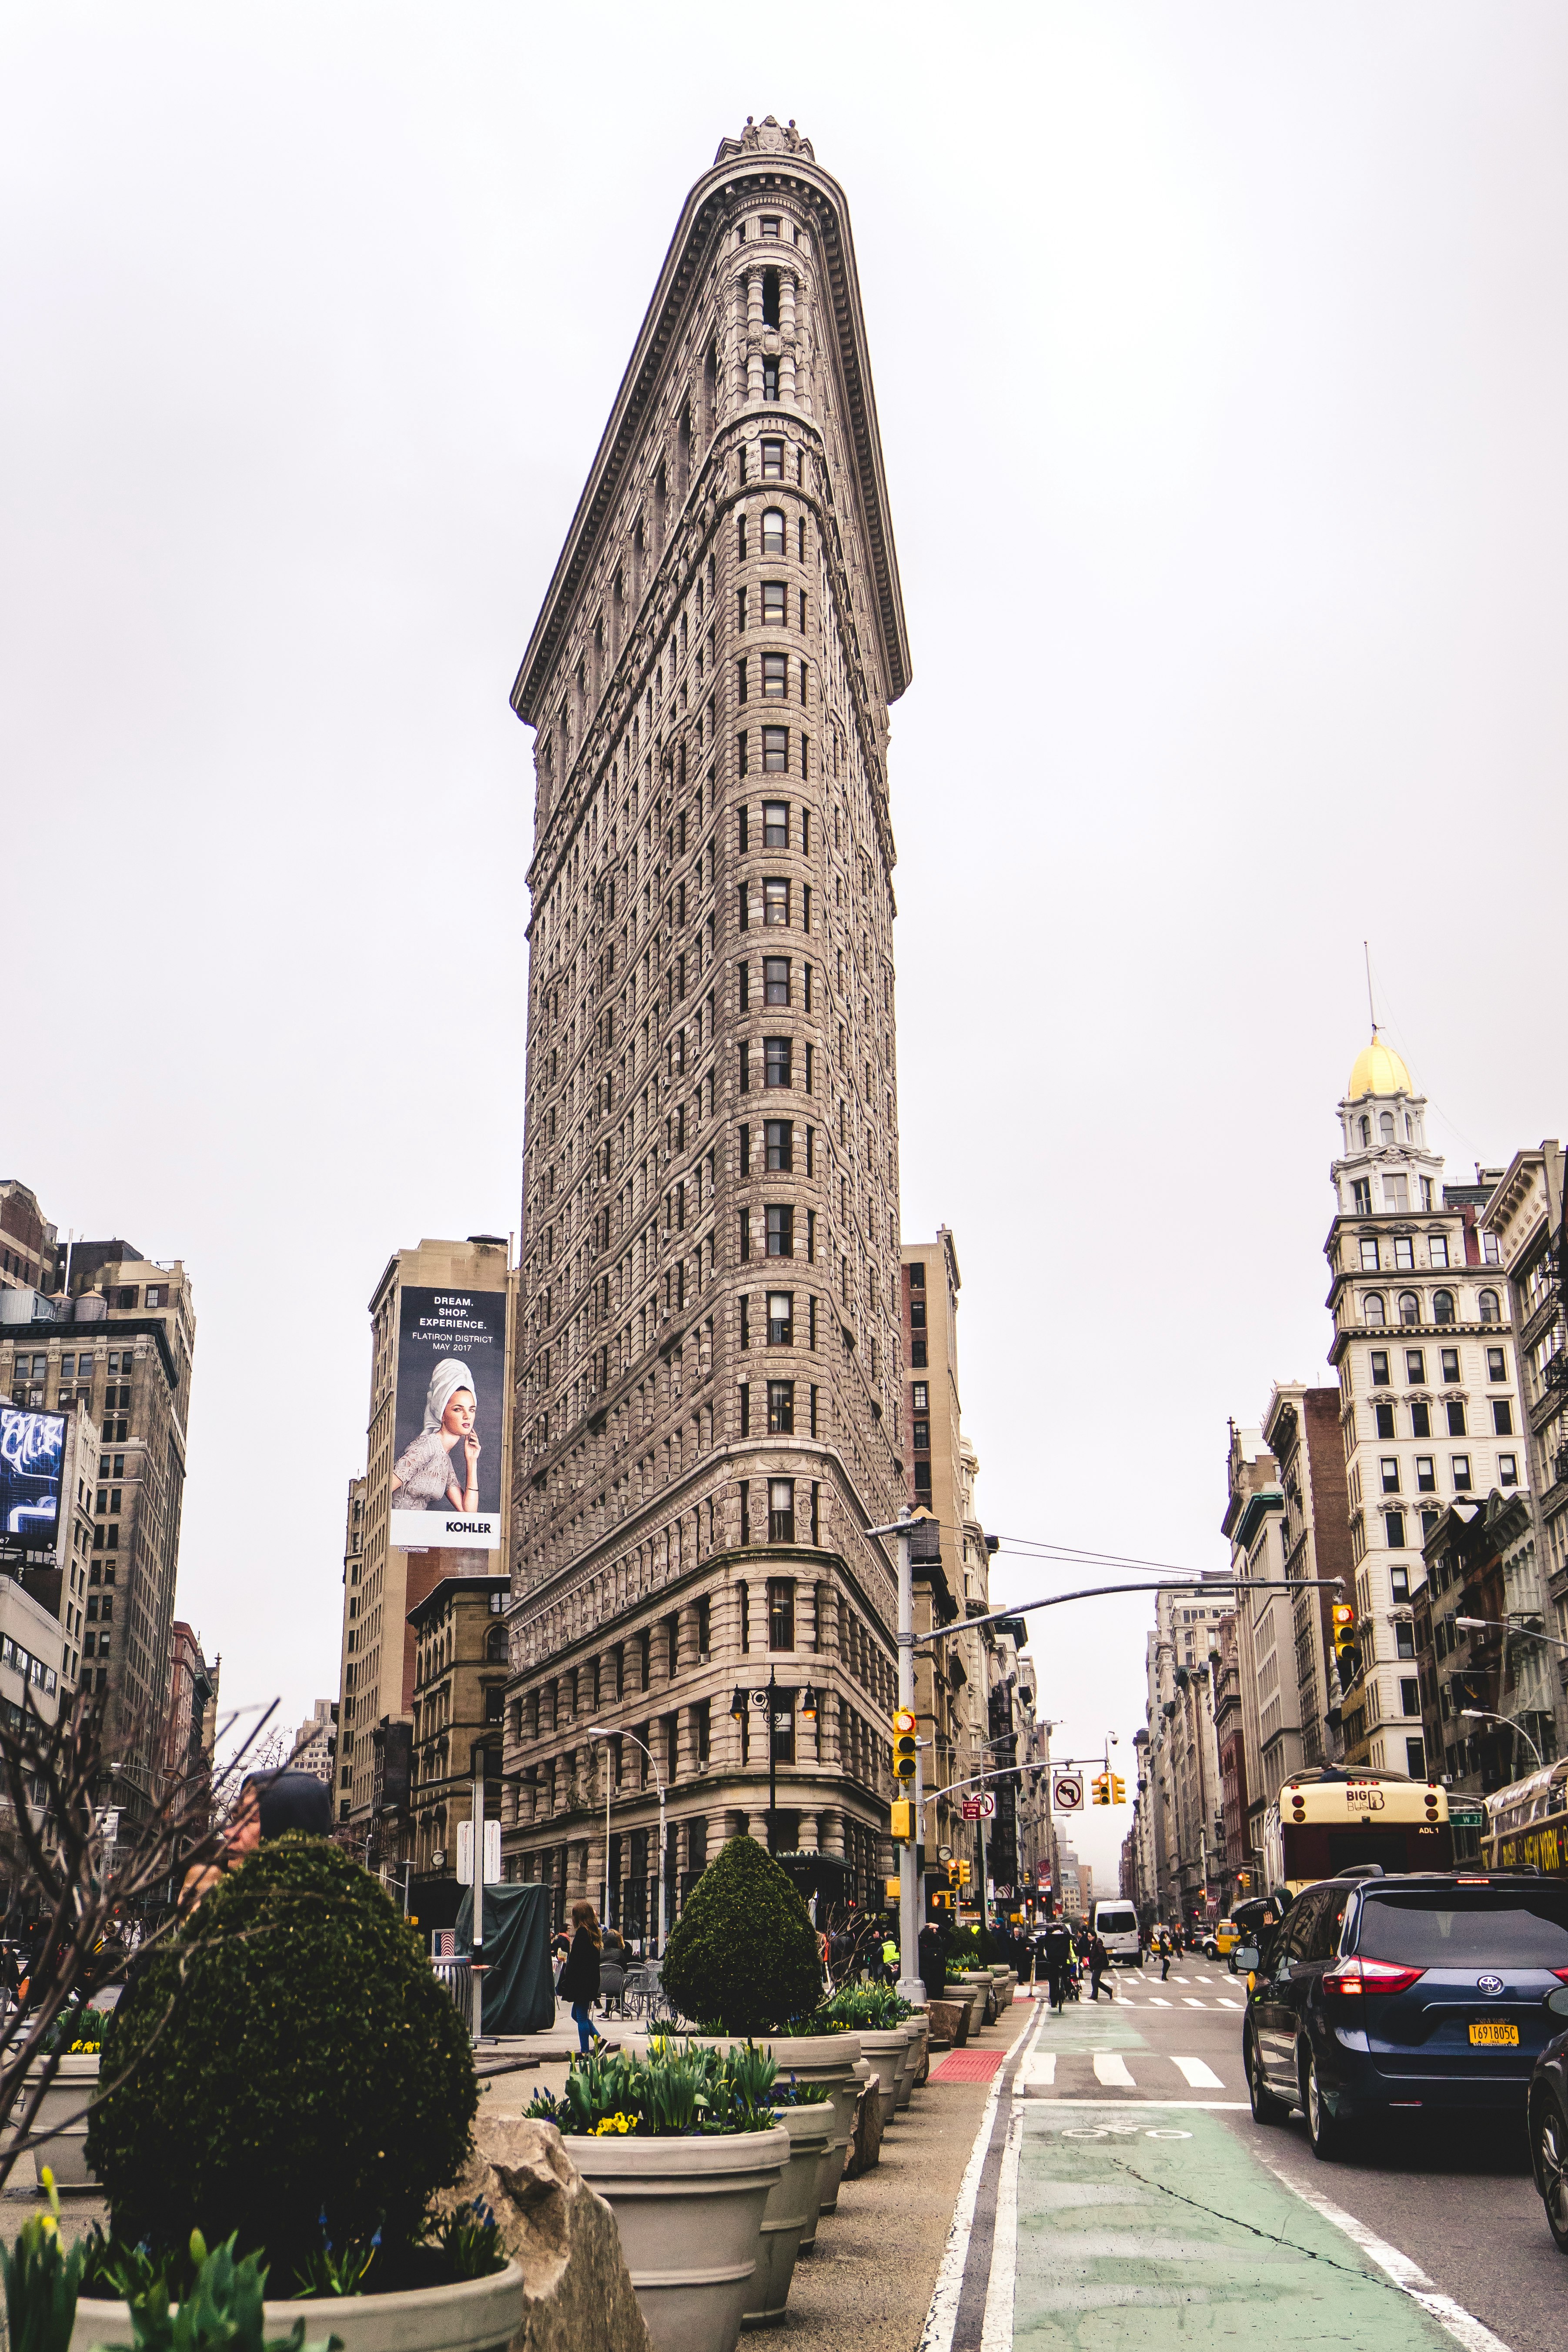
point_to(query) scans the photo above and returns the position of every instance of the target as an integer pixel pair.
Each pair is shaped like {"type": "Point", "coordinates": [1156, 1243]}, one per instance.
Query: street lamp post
{"type": "Point", "coordinates": [1485, 1714]}
{"type": "Point", "coordinates": [598, 1731]}
{"type": "Point", "coordinates": [910, 1987]}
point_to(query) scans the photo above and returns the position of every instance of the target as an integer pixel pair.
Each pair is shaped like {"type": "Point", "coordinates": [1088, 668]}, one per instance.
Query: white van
{"type": "Point", "coordinates": [1116, 1925]}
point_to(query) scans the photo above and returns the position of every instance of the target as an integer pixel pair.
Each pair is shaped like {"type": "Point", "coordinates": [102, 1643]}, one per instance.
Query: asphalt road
{"type": "Point", "coordinates": [1144, 2187]}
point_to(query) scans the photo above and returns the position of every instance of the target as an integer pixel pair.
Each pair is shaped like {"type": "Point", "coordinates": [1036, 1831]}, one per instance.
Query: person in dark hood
{"type": "Point", "coordinates": [933, 1961]}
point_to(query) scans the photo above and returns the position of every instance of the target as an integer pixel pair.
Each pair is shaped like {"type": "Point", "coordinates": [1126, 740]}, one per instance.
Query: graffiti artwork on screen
{"type": "Point", "coordinates": [32, 1463]}
{"type": "Point", "coordinates": [451, 1396]}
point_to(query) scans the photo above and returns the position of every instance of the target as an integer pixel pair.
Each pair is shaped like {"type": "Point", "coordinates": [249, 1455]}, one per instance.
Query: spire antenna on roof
{"type": "Point", "coordinates": [1371, 1007]}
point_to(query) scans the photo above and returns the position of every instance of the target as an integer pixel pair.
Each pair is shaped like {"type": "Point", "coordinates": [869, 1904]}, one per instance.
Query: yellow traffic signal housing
{"type": "Point", "coordinates": [1118, 1790]}
{"type": "Point", "coordinates": [1100, 1788]}
{"type": "Point", "coordinates": [903, 1821]}
{"type": "Point", "coordinates": [903, 1744]}
{"type": "Point", "coordinates": [942, 1900]}
{"type": "Point", "coordinates": [964, 1873]}
{"type": "Point", "coordinates": [1347, 1643]}
{"type": "Point", "coordinates": [953, 1870]}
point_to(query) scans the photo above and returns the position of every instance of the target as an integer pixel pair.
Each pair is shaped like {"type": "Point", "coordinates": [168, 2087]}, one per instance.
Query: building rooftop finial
{"type": "Point", "coordinates": [768, 137]}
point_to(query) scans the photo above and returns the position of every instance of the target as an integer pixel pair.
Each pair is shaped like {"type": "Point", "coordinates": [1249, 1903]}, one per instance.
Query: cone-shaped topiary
{"type": "Point", "coordinates": [743, 1953]}
{"type": "Point", "coordinates": [292, 2055]}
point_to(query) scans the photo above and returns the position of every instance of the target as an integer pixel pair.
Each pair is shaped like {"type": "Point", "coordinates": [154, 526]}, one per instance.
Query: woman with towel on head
{"type": "Point", "coordinates": [423, 1477]}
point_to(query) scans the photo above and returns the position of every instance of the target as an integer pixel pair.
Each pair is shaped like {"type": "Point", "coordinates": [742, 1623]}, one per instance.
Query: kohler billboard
{"type": "Point", "coordinates": [451, 1410]}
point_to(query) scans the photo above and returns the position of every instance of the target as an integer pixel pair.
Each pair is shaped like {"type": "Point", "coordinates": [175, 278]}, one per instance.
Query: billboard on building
{"type": "Point", "coordinates": [450, 1412]}
{"type": "Point", "coordinates": [32, 1473]}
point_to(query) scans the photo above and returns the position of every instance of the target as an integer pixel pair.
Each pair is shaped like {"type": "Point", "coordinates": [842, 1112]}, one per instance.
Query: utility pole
{"type": "Point", "coordinates": [477, 1932]}
{"type": "Point", "coordinates": [772, 1760]}
{"type": "Point", "coordinates": [910, 1985]}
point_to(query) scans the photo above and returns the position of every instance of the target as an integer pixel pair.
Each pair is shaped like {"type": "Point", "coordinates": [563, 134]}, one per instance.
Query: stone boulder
{"type": "Point", "coordinates": [561, 2233]}
{"type": "Point", "coordinates": [865, 2140]}
{"type": "Point", "coordinates": [949, 2023]}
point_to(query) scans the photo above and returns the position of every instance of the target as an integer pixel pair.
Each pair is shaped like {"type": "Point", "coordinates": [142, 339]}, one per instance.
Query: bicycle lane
{"type": "Point", "coordinates": [1128, 2213]}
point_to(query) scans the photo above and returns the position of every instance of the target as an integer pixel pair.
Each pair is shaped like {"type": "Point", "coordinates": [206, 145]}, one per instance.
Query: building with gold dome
{"type": "Point", "coordinates": [1427, 1357]}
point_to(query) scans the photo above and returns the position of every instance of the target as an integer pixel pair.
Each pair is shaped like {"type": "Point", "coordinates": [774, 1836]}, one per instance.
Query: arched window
{"type": "Point", "coordinates": [1441, 1307]}
{"type": "Point", "coordinates": [1372, 1308]}
{"type": "Point", "coordinates": [1489, 1307]}
{"type": "Point", "coordinates": [1386, 1127]}
{"type": "Point", "coordinates": [495, 1646]}
{"type": "Point", "coordinates": [1409, 1307]}
{"type": "Point", "coordinates": [1366, 1131]}
{"type": "Point", "coordinates": [772, 532]}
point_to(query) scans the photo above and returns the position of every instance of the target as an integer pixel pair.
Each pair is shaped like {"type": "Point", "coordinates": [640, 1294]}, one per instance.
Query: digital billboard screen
{"type": "Point", "coordinates": [32, 1470]}
{"type": "Point", "coordinates": [451, 1409]}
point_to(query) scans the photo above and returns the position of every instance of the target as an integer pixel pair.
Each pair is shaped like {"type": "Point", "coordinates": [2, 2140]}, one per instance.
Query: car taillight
{"type": "Point", "coordinates": [1370, 1976]}
{"type": "Point", "coordinates": [1562, 1973]}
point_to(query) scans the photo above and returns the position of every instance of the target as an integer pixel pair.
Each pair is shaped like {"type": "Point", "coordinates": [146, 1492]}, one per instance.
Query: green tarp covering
{"type": "Point", "coordinates": [520, 1983]}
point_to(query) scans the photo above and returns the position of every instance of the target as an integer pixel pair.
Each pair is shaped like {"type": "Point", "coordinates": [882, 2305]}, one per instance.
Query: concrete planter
{"type": "Point", "coordinates": [813, 2058]}
{"type": "Point", "coordinates": [790, 2214]}
{"type": "Point", "coordinates": [915, 2030]}
{"type": "Point", "coordinates": [975, 1988]}
{"type": "Point", "coordinates": [68, 2094]}
{"type": "Point", "coordinates": [472, 2316]}
{"type": "Point", "coordinates": [885, 2054]}
{"type": "Point", "coordinates": [690, 2212]}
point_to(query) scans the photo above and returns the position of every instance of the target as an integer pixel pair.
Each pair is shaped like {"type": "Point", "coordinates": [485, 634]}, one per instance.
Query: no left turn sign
{"type": "Point", "coordinates": [1067, 1793]}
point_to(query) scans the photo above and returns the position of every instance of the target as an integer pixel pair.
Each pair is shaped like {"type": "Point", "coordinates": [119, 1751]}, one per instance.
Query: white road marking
{"type": "Point", "coordinates": [1039, 2069]}
{"type": "Point", "coordinates": [942, 2316]}
{"type": "Point", "coordinates": [1189, 2003]}
{"type": "Point", "coordinates": [1224, 2003]}
{"type": "Point", "coordinates": [1461, 2324]}
{"type": "Point", "coordinates": [1156, 2001]}
{"type": "Point", "coordinates": [1001, 2287]}
{"type": "Point", "coordinates": [1111, 2066]}
{"type": "Point", "coordinates": [1198, 2076]}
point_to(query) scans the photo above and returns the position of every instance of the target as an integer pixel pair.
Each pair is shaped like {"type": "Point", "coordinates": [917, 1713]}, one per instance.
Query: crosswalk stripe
{"type": "Point", "coordinates": [1198, 2076]}
{"type": "Point", "coordinates": [1228, 2004]}
{"type": "Point", "coordinates": [1110, 2067]}
{"type": "Point", "coordinates": [1156, 2001]}
{"type": "Point", "coordinates": [1188, 2002]}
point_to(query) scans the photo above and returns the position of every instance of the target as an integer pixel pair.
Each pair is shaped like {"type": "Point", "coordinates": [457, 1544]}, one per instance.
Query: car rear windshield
{"type": "Point", "coordinates": [1467, 1926]}
{"type": "Point", "coordinates": [1117, 1923]}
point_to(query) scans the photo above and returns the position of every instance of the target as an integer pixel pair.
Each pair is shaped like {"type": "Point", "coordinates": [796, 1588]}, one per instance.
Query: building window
{"type": "Point", "coordinates": [1372, 1308]}
{"type": "Point", "coordinates": [775, 676]}
{"type": "Point", "coordinates": [1497, 1367]}
{"type": "Point", "coordinates": [781, 1408]}
{"type": "Point", "coordinates": [1507, 1470]}
{"type": "Point", "coordinates": [1420, 1420]}
{"type": "Point", "coordinates": [1393, 1530]}
{"type": "Point", "coordinates": [1409, 1307]}
{"type": "Point", "coordinates": [772, 461]}
{"type": "Point", "coordinates": [745, 1417]}
{"type": "Point", "coordinates": [780, 1136]}
{"type": "Point", "coordinates": [1410, 1697]}
{"type": "Point", "coordinates": [769, 379]}
{"type": "Point", "coordinates": [775, 751]}
{"type": "Point", "coordinates": [1450, 1366]}
{"type": "Point", "coordinates": [1384, 1417]}
{"type": "Point", "coordinates": [1437, 1249]}
{"type": "Point", "coordinates": [1415, 1367]}
{"type": "Point", "coordinates": [775, 1061]}
{"type": "Point", "coordinates": [920, 1396]}
{"type": "Point", "coordinates": [1368, 1254]}
{"type": "Point", "coordinates": [745, 1233]}
{"type": "Point", "coordinates": [1399, 1581]}
{"type": "Point", "coordinates": [1488, 1306]}
{"type": "Point", "coordinates": [920, 1435]}
{"type": "Point", "coordinates": [745, 1068]}
{"type": "Point", "coordinates": [776, 902]}
{"type": "Point", "coordinates": [1460, 1466]}
{"type": "Point", "coordinates": [781, 1529]}
{"type": "Point", "coordinates": [781, 1318]}
{"type": "Point", "coordinates": [1426, 1475]}
{"type": "Point", "coordinates": [1379, 1368]}
{"type": "Point", "coordinates": [1395, 1191]}
{"type": "Point", "coordinates": [1415, 1758]}
{"type": "Point", "coordinates": [775, 609]}
{"type": "Point", "coordinates": [1386, 1126]}
{"type": "Point", "coordinates": [1403, 1253]}
{"type": "Point", "coordinates": [1457, 1417]}
{"type": "Point", "coordinates": [1361, 1196]}
{"type": "Point", "coordinates": [1441, 1307]}
{"type": "Point", "coordinates": [776, 979]}
{"type": "Point", "coordinates": [1390, 1468]}
{"type": "Point", "coordinates": [772, 531]}
{"type": "Point", "coordinates": [780, 1230]}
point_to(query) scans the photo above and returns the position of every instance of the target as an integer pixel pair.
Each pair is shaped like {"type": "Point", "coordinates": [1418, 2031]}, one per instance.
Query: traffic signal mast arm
{"type": "Point", "coordinates": [1144, 1584]}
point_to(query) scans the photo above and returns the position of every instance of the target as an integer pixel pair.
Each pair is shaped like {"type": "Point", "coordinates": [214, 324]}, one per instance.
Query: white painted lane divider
{"type": "Point", "coordinates": [1198, 2076]}
{"type": "Point", "coordinates": [942, 2316]}
{"type": "Point", "coordinates": [1111, 2066]}
{"type": "Point", "coordinates": [1462, 2325]}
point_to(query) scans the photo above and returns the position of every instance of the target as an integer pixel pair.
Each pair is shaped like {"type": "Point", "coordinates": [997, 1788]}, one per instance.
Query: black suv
{"type": "Point", "coordinates": [1426, 1991]}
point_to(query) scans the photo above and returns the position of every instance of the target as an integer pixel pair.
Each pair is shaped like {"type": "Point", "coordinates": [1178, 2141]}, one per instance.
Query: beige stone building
{"type": "Point", "coordinates": [459, 1692]}
{"type": "Point", "coordinates": [709, 1395]}
{"type": "Point", "coordinates": [383, 1582]}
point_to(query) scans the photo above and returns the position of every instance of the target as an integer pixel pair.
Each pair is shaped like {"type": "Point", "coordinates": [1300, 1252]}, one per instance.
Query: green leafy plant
{"type": "Point", "coordinates": [793, 2092]}
{"type": "Point", "coordinates": [329, 2272]}
{"type": "Point", "coordinates": [79, 2031]}
{"type": "Point", "coordinates": [470, 2241]}
{"type": "Point", "coordinates": [743, 1951]}
{"type": "Point", "coordinates": [878, 2008]}
{"type": "Point", "coordinates": [223, 2308]}
{"type": "Point", "coordinates": [42, 2281]}
{"type": "Point", "coordinates": [299, 2057]}
{"type": "Point", "coordinates": [679, 2087]}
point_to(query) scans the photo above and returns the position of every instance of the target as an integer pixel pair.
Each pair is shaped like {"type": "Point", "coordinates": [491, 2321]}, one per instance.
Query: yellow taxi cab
{"type": "Point", "coordinates": [1222, 1939]}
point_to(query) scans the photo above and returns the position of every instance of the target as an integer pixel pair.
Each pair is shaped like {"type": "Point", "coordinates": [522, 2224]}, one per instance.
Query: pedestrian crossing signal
{"type": "Point", "coordinates": [903, 1820]}
{"type": "Point", "coordinates": [903, 1744]}
{"type": "Point", "coordinates": [1100, 1789]}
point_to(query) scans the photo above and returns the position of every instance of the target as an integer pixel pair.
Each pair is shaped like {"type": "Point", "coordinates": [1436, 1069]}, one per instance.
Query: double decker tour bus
{"type": "Point", "coordinates": [1527, 1823]}
{"type": "Point", "coordinates": [1327, 1818]}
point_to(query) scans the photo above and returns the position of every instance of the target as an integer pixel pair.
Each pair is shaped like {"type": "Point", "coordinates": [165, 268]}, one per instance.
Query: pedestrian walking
{"type": "Point", "coordinates": [1166, 1946]}
{"type": "Point", "coordinates": [1098, 1969]}
{"type": "Point", "coordinates": [579, 1979]}
{"type": "Point", "coordinates": [1057, 1957]}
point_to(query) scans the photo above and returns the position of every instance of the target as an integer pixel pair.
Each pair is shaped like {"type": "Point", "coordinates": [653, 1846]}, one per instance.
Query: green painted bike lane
{"type": "Point", "coordinates": [1132, 2218]}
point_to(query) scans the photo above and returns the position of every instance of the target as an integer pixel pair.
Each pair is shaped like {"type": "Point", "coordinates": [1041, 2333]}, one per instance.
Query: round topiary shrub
{"type": "Point", "coordinates": [743, 1954]}
{"type": "Point", "coordinates": [289, 2054]}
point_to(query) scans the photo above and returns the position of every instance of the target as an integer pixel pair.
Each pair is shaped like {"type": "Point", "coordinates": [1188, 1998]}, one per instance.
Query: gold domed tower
{"type": "Point", "coordinates": [1387, 1168]}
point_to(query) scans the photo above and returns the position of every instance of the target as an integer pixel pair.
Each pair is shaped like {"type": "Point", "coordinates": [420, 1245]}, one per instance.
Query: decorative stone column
{"type": "Point", "coordinates": [786, 334]}
{"type": "Point", "coordinates": [831, 1834]}
{"type": "Point", "coordinates": [755, 334]}
{"type": "Point", "coordinates": [808, 1833]}
{"type": "Point", "coordinates": [757, 1823]}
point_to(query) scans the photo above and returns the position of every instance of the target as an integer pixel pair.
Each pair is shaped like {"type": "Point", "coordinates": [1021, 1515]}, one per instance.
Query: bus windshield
{"type": "Point", "coordinates": [1326, 1823]}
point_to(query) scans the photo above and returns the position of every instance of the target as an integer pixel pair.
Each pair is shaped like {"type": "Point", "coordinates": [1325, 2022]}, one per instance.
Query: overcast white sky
{"type": "Point", "coordinates": [1220, 356]}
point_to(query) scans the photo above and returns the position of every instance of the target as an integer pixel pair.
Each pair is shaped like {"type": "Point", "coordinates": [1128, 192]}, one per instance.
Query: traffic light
{"type": "Point", "coordinates": [1100, 1789]}
{"type": "Point", "coordinates": [903, 1744]}
{"type": "Point", "coordinates": [1118, 1790]}
{"type": "Point", "coordinates": [1347, 1645]}
{"type": "Point", "coordinates": [964, 1873]}
{"type": "Point", "coordinates": [903, 1820]}
{"type": "Point", "coordinates": [953, 1870]}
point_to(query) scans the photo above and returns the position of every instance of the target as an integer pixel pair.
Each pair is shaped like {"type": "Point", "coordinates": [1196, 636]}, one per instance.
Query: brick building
{"type": "Point", "coordinates": [708, 1407]}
